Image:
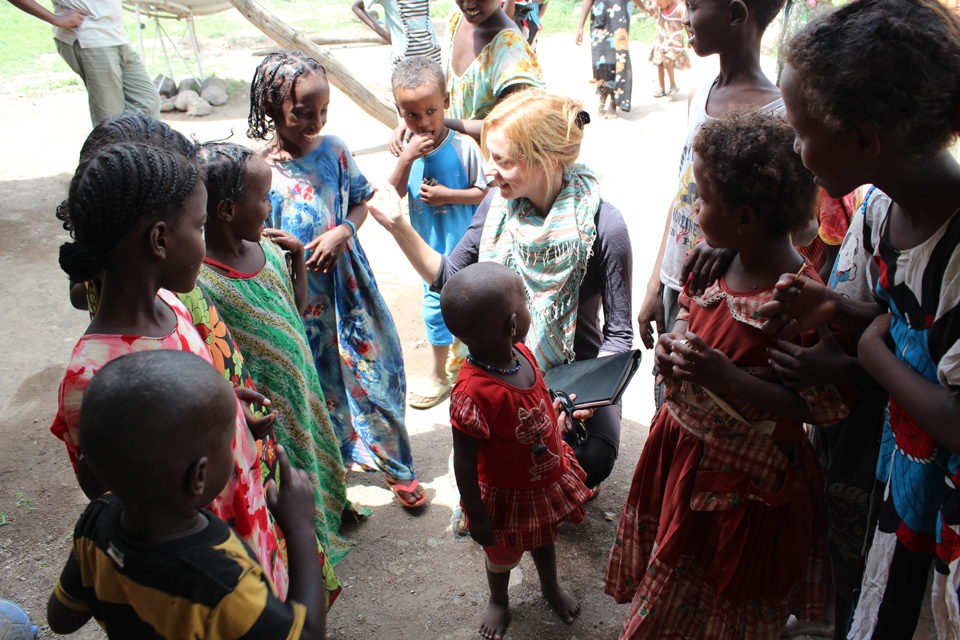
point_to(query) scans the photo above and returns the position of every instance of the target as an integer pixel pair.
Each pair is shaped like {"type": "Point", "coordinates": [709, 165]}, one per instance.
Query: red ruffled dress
{"type": "Point", "coordinates": [526, 495]}
{"type": "Point", "coordinates": [722, 535]}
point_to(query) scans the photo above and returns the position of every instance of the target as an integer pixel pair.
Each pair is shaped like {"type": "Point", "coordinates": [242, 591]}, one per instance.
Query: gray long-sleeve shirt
{"type": "Point", "coordinates": [607, 280]}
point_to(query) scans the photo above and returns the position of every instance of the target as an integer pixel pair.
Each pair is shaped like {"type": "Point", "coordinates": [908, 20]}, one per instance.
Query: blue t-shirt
{"type": "Point", "coordinates": [456, 164]}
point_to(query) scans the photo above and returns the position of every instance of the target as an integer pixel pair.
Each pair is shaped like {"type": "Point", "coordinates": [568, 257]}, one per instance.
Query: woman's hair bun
{"type": "Point", "coordinates": [81, 261]}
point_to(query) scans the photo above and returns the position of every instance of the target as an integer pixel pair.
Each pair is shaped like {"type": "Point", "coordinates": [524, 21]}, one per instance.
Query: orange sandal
{"type": "Point", "coordinates": [411, 489]}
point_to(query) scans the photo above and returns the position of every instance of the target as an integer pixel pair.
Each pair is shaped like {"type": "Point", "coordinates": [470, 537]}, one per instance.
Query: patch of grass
{"type": "Point", "coordinates": [3, 519]}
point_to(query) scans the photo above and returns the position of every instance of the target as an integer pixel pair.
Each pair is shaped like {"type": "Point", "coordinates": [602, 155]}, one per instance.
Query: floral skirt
{"type": "Point", "coordinates": [733, 573]}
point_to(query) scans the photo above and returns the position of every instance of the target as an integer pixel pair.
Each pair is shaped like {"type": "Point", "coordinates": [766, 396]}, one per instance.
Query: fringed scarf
{"type": "Point", "coordinates": [551, 255]}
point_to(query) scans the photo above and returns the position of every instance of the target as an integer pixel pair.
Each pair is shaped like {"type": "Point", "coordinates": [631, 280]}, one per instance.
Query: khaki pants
{"type": "Point", "coordinates": [115, 78]}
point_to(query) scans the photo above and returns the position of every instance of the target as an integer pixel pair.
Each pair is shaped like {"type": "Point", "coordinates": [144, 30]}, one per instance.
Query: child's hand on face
{"type": "Point", "coordinates": [799, 304]}
{"type": "Point", "coordinates": [384, 206]}
{"type": "Point", "coordinates": [293, 503]}
{"type": "Point", "coordinates": [260, 428]}
{"type": "Point", "coordinates": [284, 240]}
{"type": "Point", "coordinates": [808, 366]}
{"type": "Point", "coordinates": [434, 195]}
{"type": "Point", "coordinates": [418, 146]}
{"type": "Point", "coordinates": [694, 361]}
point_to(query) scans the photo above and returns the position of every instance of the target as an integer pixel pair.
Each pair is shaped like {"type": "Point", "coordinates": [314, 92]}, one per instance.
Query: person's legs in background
{"type": "Point", "coordinates": [139, 93]}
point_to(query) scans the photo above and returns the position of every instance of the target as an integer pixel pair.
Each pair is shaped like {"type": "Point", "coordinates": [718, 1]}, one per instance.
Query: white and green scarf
{"type": "Point", "coordinates": [550, 253]}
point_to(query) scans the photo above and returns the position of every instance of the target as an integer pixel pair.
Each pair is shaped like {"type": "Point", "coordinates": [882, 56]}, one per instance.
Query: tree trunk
{"type": "Point", "coordinates": [338, 75]}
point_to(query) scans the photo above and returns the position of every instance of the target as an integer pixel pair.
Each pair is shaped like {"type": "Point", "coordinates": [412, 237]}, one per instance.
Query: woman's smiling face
{"type": "Point", "coordinates": [515, 178]}
{"type": "Point", "coordinates": [477, 11]}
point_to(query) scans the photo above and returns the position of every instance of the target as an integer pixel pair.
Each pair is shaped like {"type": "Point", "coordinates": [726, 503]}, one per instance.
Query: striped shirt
{"type": "Point", "coordinates": [206, 585]}
{"type": "Point", "coordinates": [420, 39]}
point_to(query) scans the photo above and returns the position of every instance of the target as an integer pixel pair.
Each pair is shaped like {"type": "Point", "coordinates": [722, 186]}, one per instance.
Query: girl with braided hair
{"type": "Point", "coordinates": [319, 196]}
{"type": "Point", "coordinates": [259, 285]}
{"type": "Point", "coordinates": [136, 215]}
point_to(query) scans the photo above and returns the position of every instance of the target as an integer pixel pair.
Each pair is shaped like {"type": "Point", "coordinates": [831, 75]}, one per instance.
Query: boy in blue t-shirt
{"type": "Point", "coordinates": [441, 172]}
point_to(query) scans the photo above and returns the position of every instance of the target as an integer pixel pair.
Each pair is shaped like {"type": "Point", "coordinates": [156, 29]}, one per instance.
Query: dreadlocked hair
{"type": "Point", "coordinates": [223, 166]}
{"type": "Point", "coordinates": [271, 85]}
{"type": "Point", "coordinates": [894, 64]}
{"type": "Point", "coordinates": [747, 158]}
{"type": "Point", "coordinates": [112, 192]}
{"type": "Point", "coordinates": [135, 127]}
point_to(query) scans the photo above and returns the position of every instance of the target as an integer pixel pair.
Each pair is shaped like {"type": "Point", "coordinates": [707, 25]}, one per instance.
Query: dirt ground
{"type": "Point", "coordinates": [408, 577]}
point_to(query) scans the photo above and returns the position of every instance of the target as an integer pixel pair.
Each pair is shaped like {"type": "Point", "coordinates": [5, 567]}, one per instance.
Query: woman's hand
{"type": "Point", "coordinates": [799, 304]}
{"type": "Point", "coordinates": [696, 362]}
{"type": "Point", "coordinates": [578, 40]}
{"type": "Point", "coordinates": [809, 366]}
{"type": "Point", "coordinates": [384, 206]}
{"type": "Point", "coordinates": [327, 248]}
{"type": "Point", "coordinates": [397, 139]}
{"type": "Point", "coordinates": [284, 240]}
{"type": "Point", "coordinates": [703, 265]}
{"type": "Point", "coordinates": [260, 428]}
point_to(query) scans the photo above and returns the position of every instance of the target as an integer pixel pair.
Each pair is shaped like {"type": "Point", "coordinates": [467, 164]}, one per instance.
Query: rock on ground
{"type": "Point", "coordinates": [183, 96]}
{"type": "Point", "coordinates": [168, 104]}
{"type": "Point", "coordinates": [197, 106]}
{"type": "Point", "coordinates": [215, 95]}
{"type": "Point", "coordinates": [191, 84]}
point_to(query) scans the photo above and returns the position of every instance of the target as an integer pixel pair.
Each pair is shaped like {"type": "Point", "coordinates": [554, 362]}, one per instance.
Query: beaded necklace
{"type": "Point", "coordinates": [492, 369]}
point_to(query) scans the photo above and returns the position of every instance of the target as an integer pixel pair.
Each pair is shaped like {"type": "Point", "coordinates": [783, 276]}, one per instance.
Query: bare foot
{"type": "Point", "coordinates": [566, 606]}
{"type": "Point", "coordinates": [797, 627]}
{"type": "Point", "coordinates": [495, 621]}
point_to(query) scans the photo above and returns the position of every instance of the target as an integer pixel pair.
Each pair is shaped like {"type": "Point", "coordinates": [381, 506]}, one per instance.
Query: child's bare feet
{"type": "Point", "coordinates": [495, 620]}
{"type": "Point", "coordinates": [566, 606]}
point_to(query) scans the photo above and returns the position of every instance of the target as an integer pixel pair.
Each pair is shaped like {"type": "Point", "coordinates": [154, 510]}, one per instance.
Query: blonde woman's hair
{"type": "Point", "coordinates": [541, 128]}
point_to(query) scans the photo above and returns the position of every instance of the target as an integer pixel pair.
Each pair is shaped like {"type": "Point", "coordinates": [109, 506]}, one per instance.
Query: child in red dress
{"type": "Point", "coordinates": [518, 479]}
{"type": "Point", "coordinates": [722, 534]}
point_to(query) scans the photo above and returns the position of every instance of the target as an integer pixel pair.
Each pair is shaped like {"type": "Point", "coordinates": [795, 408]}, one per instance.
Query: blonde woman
{"type": "Point", "coordinates": [545, 219]}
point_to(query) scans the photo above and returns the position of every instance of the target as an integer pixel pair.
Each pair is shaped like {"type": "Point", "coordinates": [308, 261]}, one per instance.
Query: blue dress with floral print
{"type": "Point", "coordinates": [349, 327]}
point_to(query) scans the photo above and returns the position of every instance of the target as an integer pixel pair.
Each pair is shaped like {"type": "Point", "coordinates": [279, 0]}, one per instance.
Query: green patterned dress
{"type": "Point", "coordinates": [262, 315]}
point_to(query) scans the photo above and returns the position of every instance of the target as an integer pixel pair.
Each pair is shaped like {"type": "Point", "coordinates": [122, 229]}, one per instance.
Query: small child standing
{"type": "Point", "coordinates": [157, 427]}
{"type": "Point", "coordinates": [668, 53]}
{"type": "Point", "coordinates": [722, 532]}
{"type": "Point", "coordinates": [260, 299]}
{"type": "Point", "coordinates": [441, 173]}
{"type": "Point", "coordinates": [319, 196]}
{"type": "Point", "coordinates": [518, 479]}
{"type": "Point", "coordinates": [409, 27]}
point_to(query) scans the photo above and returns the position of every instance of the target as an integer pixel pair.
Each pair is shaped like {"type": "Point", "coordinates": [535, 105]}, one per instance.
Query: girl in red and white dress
{"type": "Point", "coordinates": [518, 479]}
{"type": "Point", "coordinates": [722, 535]}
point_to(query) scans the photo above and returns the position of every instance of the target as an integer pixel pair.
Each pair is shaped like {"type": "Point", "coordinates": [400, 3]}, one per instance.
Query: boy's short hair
{"type": "Point", "coordinates": [894, 64]}
{"type": "Point", "coordinates": [472, 299]}
{"type": "Point", "coordinates": [416, 71]}
{"type": "Point", "coordinates": [146, 416]}
{"type": "Point", "coordinates": [747, 157]}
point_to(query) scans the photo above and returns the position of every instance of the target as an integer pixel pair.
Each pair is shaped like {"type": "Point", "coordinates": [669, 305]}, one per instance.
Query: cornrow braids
{"type": "Point", "coordinates": [894, 64]}
{"type": "Point", "coordinates": [223, 167]}
{"type": "Point", "coordinates": [271, 85]}
{"type": "Point", "coordinates": [112, 192]}
{"type": "Point", "coordinates": [747, 158]}
{"type": "Point", "coordinates": [135, 127]}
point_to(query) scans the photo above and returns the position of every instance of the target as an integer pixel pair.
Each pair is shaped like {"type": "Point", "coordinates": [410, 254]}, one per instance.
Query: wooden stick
{"type": "Point", "coordinates": [337, 73]}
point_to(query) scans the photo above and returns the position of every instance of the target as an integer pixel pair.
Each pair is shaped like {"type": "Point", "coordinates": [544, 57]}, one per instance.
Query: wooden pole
{"type": "Point", "coordinates": [337, 73]}
{"type": "Point", "coordinates": [331, 39]}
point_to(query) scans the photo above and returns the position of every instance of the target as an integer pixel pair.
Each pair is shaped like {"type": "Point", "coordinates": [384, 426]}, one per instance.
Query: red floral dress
{"type": "Point", "coordinates": [722, 535]}
{"type": "Point", "coordinates": [525, 494]}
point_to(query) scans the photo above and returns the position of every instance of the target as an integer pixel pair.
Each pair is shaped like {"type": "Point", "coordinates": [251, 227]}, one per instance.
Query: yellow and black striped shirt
{"type": "Point", "coordinates": [206, 585]}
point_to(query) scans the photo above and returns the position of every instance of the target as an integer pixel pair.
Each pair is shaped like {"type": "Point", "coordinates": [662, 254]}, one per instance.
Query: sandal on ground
{"type": "Point", "coordinates": [659, 93]}
{"type": "Point", "coordinates": [595, 492]}
{"type": "Point", "coordinates": [430, 391]}
{"type": "Point", "coordinates": [673, 89]}
{"type": "Point", "coordinates": [411, 489]}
